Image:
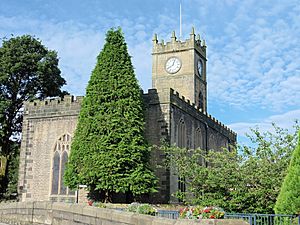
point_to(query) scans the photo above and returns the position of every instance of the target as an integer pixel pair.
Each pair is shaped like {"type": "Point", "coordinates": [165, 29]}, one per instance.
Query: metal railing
{"type": "Point", "coordinates": [265, 219]}
{"type": "Point", "coordinates": [252, 219]}
{"type": "Point", "coordinates": [170, 214]}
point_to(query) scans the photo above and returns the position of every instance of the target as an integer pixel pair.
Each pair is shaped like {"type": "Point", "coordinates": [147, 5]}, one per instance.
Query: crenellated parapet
{"type": "Point", "coordinates": [68, 105]}
{"type": "Point", "coordinates": [176, 98]}
{"type": "Point", "coordinates": [66, 100]}
{"type": "Point", "coordinates": [194, 42]}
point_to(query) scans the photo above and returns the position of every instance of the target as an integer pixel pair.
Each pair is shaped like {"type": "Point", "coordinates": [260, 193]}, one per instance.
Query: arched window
{"type": "Point", "coordinates": [64, 160]}
{"type": "Point", "coordinates": [60, 160]}
{"type": "Point", "coordinates": [198, 138]}
{"type": "Point", "coordinates": [181, 134]}
{"type": "Point", "coordinates": [181, 143]}
{"type": "Point", "coordinates": [55, 173]}
{"type": "Point", "coordinates": [201, 100]}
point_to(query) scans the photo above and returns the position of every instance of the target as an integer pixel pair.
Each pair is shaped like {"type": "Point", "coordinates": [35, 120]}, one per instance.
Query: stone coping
{"type": "Point", "coordinates": [64, 213]}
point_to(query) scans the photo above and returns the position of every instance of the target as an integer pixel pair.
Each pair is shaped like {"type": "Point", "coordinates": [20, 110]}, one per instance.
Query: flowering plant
{"type": "Point", "coordinates": [201, 213]}
{"type": "Point", "coordinates": [90, 202]}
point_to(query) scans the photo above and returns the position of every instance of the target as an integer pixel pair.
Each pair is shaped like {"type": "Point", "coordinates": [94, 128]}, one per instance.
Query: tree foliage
{"type": "Point", "coordinates": [288, 201]}
{"type": "Point", "coordinates": [246, 179]}
{"type": "Point", "coordinates": [109, 152]}
{"type": "Point", "coordinates": [28, 70]}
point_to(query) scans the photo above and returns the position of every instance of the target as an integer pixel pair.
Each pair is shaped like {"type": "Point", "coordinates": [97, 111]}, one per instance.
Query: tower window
{"type": "Point", "coordinates": [201, 100]}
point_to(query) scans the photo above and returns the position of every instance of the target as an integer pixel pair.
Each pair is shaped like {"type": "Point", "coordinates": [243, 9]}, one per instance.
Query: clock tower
{"type": "Point", "coordinates": [181, 65]}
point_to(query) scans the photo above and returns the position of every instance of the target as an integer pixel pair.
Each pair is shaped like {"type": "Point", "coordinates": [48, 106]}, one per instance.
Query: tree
{"type": "Point", "coordinates": [268, 160]}
{"type": "Point", "coordinates": [109, 153]}
{"type": "Point", "coordinates": [288, 201]}
{"type": "Point", "coordinates": [28, 70]}
{"type": "Point", "coordinates": [244, 180]}
{"type": "Point", "coordinates": [212, 185]}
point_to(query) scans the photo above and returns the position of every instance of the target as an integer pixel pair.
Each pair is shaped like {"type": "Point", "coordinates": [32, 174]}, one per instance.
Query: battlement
{"type": "Point", "coordinates": [194, 42]}
{"type": "Point", "coordinates": [199, 110]}
{"type": "Point", "coordinates": [68, 105]}
{"type": "Point", "coordinates": [57, 101]}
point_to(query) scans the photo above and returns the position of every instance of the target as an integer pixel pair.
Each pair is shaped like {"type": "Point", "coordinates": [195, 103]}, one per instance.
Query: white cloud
{"type": "Point", "coordinates": [78, 46]}
{"type": "Point", "coordinates": [259, 62]}
{"type": "Point", "coordinates": [285, 120]}
{"type": "Point", "coordinates": [253, 47]}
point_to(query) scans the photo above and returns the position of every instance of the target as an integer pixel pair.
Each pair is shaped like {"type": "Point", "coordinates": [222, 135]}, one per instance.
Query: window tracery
{"type": "Point", "coordinates": [60, 159]}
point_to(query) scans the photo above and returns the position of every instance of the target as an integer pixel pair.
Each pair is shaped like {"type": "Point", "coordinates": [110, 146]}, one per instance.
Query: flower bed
{"type": "Point", "coordinates": [199, 212]}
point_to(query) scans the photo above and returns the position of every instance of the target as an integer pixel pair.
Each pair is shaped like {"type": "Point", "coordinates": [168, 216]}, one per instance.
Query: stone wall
{"type": "Point", "coordinates": [184, 107]}
{"type": "Point", "coordinates": [157, 127]}
{"type": "Point", "coordinates": [48, 213]}
{"type": "Point", "coordinates": [43, 124]}
{"type": "Point", "coordinates": [164, 110]}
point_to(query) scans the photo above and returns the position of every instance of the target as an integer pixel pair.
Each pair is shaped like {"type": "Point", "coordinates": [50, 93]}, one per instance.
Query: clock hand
{"type": "Point", "coordinates": [173, 62]}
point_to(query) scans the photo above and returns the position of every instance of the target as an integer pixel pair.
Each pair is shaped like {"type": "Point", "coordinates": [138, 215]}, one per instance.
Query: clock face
{"type": "Point", "coordinates": [173, 65]}
{"type": "Point", "coordinates": [199, 67]}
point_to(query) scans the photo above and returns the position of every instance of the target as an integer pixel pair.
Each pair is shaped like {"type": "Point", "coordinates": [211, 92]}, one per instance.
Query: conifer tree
{"type": "Point", "coordinates": [109, 153]}
{"type": "Point", "coordinates": [288, 201]}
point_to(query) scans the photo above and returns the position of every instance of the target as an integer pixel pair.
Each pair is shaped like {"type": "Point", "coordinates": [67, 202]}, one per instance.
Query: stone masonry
{"type": "Point", "coordinates": [43, 124]}
{"type": "Point", "coordinates": [175, 110]}
{"type": "Point", "coordinates": [54, 213]}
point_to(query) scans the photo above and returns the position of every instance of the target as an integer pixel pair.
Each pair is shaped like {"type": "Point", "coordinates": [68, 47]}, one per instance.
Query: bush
{"type": "Point", "coordinates": [141, 209]}
{"type": "Point", "coordinates": [288, 201]}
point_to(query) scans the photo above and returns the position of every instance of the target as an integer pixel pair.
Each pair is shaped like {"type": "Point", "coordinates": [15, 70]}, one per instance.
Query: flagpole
{"type": "Point", "coordinates": [180, 22]}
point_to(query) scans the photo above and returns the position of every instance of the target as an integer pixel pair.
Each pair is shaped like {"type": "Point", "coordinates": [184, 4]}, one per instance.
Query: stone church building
{"type": "Point", "coordinates": [176, 110]}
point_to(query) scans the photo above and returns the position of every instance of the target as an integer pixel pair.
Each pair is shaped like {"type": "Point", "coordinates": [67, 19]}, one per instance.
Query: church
{"type": "Point", "coordinates": [175, 110]}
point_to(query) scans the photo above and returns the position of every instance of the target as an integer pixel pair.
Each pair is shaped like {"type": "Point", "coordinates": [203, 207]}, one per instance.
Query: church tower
{"type": "Point", "coordinates": [181, 65]}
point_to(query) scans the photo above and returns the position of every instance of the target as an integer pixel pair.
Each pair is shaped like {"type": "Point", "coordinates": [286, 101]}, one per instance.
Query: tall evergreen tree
{"type": "Point", "coordinates": [109, 153]}
{"type": "Point", "coordinates": [288, 201]}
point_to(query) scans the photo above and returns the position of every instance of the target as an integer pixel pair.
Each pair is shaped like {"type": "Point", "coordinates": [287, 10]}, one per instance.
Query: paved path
{"type": "Point", "coordinates": [4, 224]}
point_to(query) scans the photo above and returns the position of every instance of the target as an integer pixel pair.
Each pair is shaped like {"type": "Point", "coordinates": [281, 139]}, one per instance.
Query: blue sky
{"type": "Point", "coordinates": [253, 47]}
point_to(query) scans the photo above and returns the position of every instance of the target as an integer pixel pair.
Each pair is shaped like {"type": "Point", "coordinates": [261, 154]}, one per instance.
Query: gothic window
{"type": "Point", "coordinates": [201, 100]}
{"type": "Point", "coordinates": [181, 134]}
{"type": "Point", "coordinates": [64, 160]}
{"type": "Point", "coordinates": [55, 173]}
{"type": "Point", "coordinates": [60, 159]}
{"type": "Point", "coordinates": [199, 143]}
{"type": "Point", "coordinates": [181, 184]}
{"type": "Point", "coordinates": [181, 143]}
{"type": "Point", "coordinates": [198, 138]}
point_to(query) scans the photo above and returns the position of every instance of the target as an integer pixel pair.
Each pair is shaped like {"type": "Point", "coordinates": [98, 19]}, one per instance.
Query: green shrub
{"type": "Point", "coordinates": [142, 209]}
{"type": "Point", "coordinates": [288, 201]}
{"type": "Point", "coordinates": [133, 207]}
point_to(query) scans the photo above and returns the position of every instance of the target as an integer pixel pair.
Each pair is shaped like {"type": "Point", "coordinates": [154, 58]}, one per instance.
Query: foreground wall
{"type": "Point", "coordinates": [62, 213]}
